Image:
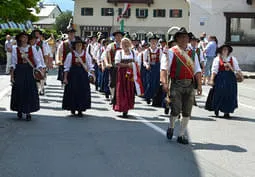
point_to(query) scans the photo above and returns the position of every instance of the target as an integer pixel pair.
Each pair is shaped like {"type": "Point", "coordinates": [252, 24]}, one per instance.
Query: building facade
{"type": "Point", "coordinates": [158, 16]}
{"type": "Point", "coordinates": [232, 21]}
{"type": "Point", "coordinates": [47, 15]}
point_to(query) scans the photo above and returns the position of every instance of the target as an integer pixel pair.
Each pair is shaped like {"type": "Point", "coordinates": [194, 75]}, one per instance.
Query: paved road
{"type": "Point", "coordinates": [102, 144]}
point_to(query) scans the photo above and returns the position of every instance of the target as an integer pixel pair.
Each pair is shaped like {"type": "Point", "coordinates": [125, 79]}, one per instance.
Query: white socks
{"type": "Point", "coordinates": [172, 121]}
{"type": "Point", "coordinates": [184, 124]}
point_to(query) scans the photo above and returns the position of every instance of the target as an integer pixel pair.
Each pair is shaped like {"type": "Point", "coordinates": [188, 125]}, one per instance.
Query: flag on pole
{"type": "Point", "coordinates": [124, 10]}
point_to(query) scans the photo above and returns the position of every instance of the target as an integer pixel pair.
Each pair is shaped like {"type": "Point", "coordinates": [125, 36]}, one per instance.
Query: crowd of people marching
{"type": "Point", "coordinates": [165, 73]}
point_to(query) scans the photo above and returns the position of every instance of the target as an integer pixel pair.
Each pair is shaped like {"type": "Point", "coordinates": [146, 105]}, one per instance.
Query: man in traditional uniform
{"type": "Point", "coordinates": [151, 61]}
{"type": "Point", "coordinates": [182, 70]}
{"type": "Point", "coordinates": [109, 61]}
{"type": "Point", "coordinates": [193, 46]}
{"type": "Point", "coordinates": [8, 49]}
{"type": "Point", "coordinates": [46, 54]}
{"type": "Point", "coordinates": [63, 49]}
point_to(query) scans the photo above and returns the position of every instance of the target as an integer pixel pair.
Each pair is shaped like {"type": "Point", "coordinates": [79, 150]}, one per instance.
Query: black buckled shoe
{"type": "Point", "coordinates": [28, 117]}
{"type": "Point", "coordinates": [125, 115]}
{"type": "Point", "coordinates": [227, 116]}
{"type": "Point", "coordinates": [73, 112]}
{"type": "Point", "coordinates": [19, 115]}
{"type": "Point", "coordinates": [166, 110]}
{"type": "Point", "coordinates": [169, 133]}
{"type": "Point", "coordinates": [80, 114]}
{"type": "Point", "coordinates": [216, 113]}
{"type": "Point", "coordinates": [182, 140]}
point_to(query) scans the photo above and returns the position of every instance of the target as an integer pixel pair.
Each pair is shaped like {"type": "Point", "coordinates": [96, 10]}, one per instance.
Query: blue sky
{"type": "Point", "coordinates": [63, 4]}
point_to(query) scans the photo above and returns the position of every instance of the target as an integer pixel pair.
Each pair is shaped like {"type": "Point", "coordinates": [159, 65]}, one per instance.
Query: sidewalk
{"type": "Point", "coordinates": [5, 85]}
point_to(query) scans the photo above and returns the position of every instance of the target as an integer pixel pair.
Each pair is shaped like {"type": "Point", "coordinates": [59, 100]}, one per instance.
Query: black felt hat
{"type": "Point", "coordinates": [230, 49]}
{"type": "Point", "coordinates": [118, 32]}
{"type": "Point", "coordinates": [181, 31]}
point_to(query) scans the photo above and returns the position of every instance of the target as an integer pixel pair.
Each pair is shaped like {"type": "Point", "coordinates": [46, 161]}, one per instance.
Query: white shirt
{"type": "Point", "coordinates": [146, 61]}
{"type": "Point", "coordinates": [202, 59]}
{"type": "Point", "coordinates": [45, 47]}
{"type": "Point", "coordinates": [68, 61]}
{"type": "Point", "coordinates": [166, 62]}
{"type": "Point", "coordinates": [216, 63]}
{"type": "Point", "coordinates": [39, 51]}
{"type": "Point", "coordinates": [59, 54]}
{"type": "Point", "coordinates": [139, 58]}
{"type": "Point", "coordinates": [100, 52]}
{"type": "Point", "coordinates": [120, 55]}
{"type": "Point", "coordinates": [36, 56]}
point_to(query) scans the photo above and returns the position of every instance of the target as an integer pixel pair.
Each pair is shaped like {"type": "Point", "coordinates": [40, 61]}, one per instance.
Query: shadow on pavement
{"type": "Point", "coordinates": [217, 147]}
{"type": "Point", "coordinates": [84, 145]}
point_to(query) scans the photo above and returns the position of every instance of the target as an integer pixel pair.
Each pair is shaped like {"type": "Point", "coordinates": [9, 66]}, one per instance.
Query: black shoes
{"type": "Point", "coordinates": [125, 115]}
{"type": "Point", "coordinates": [79, 114]}
{"type": "Point", "coordinates": [19, 115]}
{"type": "Point", "coordinates": [166, 110]}
{"type": "Point", "coordinates": [182, 140]}
{"type": "Point", "coordinates": [216, 113]}
{"type": "Point", "coordinates": [148, 101]}
{"type": "Point", "coordinates": [73, 112]}
{"type": "Point", "coordinates": [28, 117]}
{"type": "Point", "coordinates": [227, 116]}
{"type": "Point", "coordinates": [169, 133]}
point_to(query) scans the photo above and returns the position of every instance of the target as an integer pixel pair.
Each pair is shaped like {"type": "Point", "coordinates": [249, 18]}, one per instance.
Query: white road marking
{"type": "Point", "coordinates": [243, 86]}
{"type": "Point", "coordinates": [4, 92]}
{"type": "Point", "coordinates": [149, 124]}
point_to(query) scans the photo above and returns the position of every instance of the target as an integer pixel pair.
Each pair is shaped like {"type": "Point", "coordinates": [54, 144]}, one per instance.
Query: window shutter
{"type": "Point", "coordinates": [82, 11]}
{"type": "Point", "coordinates": [129, 12]}
{"type": "Point", "coordinates": [120, 10]}
{"type": "Point", "coordinates": [137, 12]}
{"type": "Point", "coordinates": [180, 11]}
{"type": "Point", "coordinates": [154, 13]}
{"type": "Point", "coordinates": [102, 12]}
{"type": "Point", "coordinates": [146, 13]}
{"type": "Point", "coordinates": [164, 13]}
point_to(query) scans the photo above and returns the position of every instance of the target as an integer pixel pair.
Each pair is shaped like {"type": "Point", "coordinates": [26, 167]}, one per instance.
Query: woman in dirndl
{"type": "Point", "coordinates": [224, 70]}
{"type": "Point", "coordinates": [78, 68]}
{"type": "Point", "coordinates": [125, 87]}
{"type": "Point", "coordinates": [24, 94]}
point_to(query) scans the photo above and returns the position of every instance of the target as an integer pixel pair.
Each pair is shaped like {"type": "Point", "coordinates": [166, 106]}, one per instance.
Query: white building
{"type": "Point", "coordinates": [232, 21]}
{"type": "Point", "coordinates": [144, 16]}
{"type": "Point", "coordinates": [47, 15]}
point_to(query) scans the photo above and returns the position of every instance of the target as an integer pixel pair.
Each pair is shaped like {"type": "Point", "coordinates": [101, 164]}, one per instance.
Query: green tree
{"type": "Point", "coordinates": [62, 21]}
{"type": "Point", "coordinates": [17, 10]}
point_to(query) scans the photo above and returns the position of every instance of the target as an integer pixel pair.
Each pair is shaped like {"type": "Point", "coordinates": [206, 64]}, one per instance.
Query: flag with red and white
{"type": "Point", "coordinates": [124, 10]}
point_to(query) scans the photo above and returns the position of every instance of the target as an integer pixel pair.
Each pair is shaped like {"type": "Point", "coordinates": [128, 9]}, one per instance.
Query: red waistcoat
{"type": "Point", "coordinates": [221, 65]}
{"type": "Point", "coordinates": [154, 57]}
{"type": "Point", "coordinates": [178, 70]}
{"type": "Point", "coordinates": [74, 58]}
{"type": "Point", "coordinates": [30, 56]}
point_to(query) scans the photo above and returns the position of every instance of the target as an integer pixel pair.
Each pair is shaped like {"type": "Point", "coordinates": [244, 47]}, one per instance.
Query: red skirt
{"type": "Point", "coordinates": [125, 92]}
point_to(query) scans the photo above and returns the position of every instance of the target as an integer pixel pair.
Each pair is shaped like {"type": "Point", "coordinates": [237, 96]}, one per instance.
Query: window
{"type": "Point", "coordinates": [175, 13]}
{"type": "Point", "coordinates": [240, 29]}
{"type": "Point", "coordinates": [253, 23]}
{"type": "Point", "coordinates": [141, 13]}
{"type": "Point", "coordinates": [107, 12]}
{"type": "Point", "coordinates": [159, 13]}
{"type": "Point", "coordinates": [127, 14]}
{"type": "Point", "coordinates": [86, 11]}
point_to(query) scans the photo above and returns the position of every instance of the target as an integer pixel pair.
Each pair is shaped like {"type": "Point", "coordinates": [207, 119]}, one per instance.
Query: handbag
{"type": "Point", "coordinates": [239, 76]}
{"type": "Point", "coordinates": [37, 73]}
